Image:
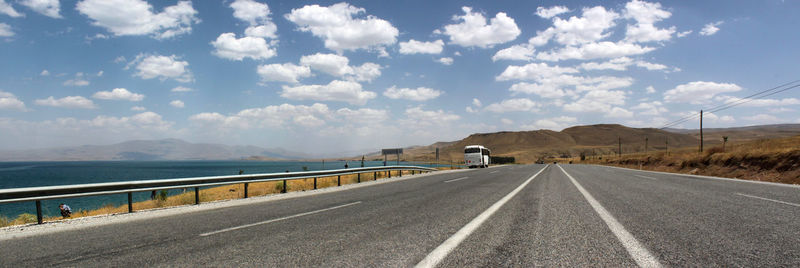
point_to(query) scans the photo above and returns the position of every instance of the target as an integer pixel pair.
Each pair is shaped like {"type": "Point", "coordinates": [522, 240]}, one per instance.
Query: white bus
{"type": "Point", "coordinates": [476, 156]}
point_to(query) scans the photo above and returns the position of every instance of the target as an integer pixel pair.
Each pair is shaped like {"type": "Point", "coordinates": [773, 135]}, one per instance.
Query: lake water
{"type": "Point", "coordinates": [29, 174]}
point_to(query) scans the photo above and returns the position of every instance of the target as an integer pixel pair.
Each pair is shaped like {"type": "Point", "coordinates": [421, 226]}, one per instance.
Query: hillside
{"type": "Point", "coordinates": [743, 133]}
{"type": "Point", "coordinates": [530, 146]}
{"type": "Point", "coordinates": [167, 149]}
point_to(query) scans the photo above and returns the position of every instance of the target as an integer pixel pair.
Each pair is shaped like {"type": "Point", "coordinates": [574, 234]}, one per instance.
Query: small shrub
{"type": "Point", "coordinates": [162, 195]}
{"type": "Point", "coordinates": [26, 218]}
{"type": "Point", "coordinates": [4, 221]}
{"type": "Point", "coordinates": [279, 186]}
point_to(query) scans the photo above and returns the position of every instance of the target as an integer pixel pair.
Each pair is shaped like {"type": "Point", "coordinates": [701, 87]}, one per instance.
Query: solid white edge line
{"type": "Point", "coordinates": [493, 172]}
{"type": "Point", "coordinates": [462, 178]}
{"type": "Point", "coordinates": [638, 252]}
{"type": "Point", "coordinates": [646, 177]}
{"type": "Point", "coordinates": [707, 177]}
{"type": "Point", "coordinates": [278, 219]}
{"type": "Point", "coordinates": [767, 199]}
{"type": "Point", "coordinates": [438, 254]}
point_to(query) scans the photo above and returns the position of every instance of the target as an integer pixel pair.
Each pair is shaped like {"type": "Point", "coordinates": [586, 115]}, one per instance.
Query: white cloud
{"type": "Point", "coordinates": [544, 91]}
{"type": "Point", "coordinates": [471, 110]}
{"type": "Point", "coordinates": [138, 108]}
{"type": "Point", "coordinates": [550, 12]}
{"type": "Point", "coordinates": [229, 47]}
{"type": "Point", "coordinates": [67, 102]}
{"type": "Point", "coordinates": [136, 17]}
{"type": "Point", "coordinates": [339, 66]}
{"type": "Point", "coordinates": [650, 90]}
{"type": "Point", "coordinates": [417, 47]}
{"type": "Point", "coordinates": [650, 108]}
{"type": "Point", "coordinates": [445, 60]}
{"type": "Point", "coordinates": [181, 89]}
{"type": "Point", "coordinates": [362, 115]}
{"type": "Point", "coordinates": [257, 15]}
{"type": "Point", "coordinates": [556, 124]}
{"type": "Point", "coordinates": [367, 72]}
{"type": "Point", "coordinates": [78, 81]}
{"type": "Point", "coordinates": [162, 67]}
{"type": "Point", "coordinates": [617, 64]}
{"type": "Point", "coordinates": [698, 92]}
{"type": "Point", "coordinates": [7, 9]}
{"type": "Point", "coordinates": [506, 121]}
{"type": "Point", "coordinates": [118, 94]}
{"type": "Point", "coordinates": [416, 116]}
{"type": "Point", "coordinates": [44, 73]}
{"type": "Point", "coordinates": [604, 49]}
{"type": "Point", "coordinates": [533, 71]}
{"type": "Point", "coordinates": [48, 8]}
{"type": "Point", "coordinates": [711, 28]}
{"type": "Point", "coordinates": [648, 33]}
{"type": "Point", "coordinates": [476, 102]}
{"type": "Point", "coordinates": [646, 14]}
{"type": "Point", "coordinates": [286, 72]}
{"type": "Point", "coordinates": [651, 66]}
{"type": "Point", "coordinates": [332, 64]}
{"type": "Point", "coordinates": [599, 101]}
{"type": "Point", "coordinates": [177, 104]}
{"type": "Point", "coordinates": [339, 29]}
{"type": "Point", "coordinates": [251, 11]}
{"type": "Point", "coordinates": [758, 102]}
{"type": "Point", "coordinates": [589, 28]}
{"type": "Point", "coordinates": [685, 33]}
{"type": "Point", "coordinates": [337, 90]}
{"type": "Point", "coordinates": [763, 118]}
{"type": "Point", "coordinates": [271, 116]}
{"type": "Point", "coordinates": [419, 94]}
{"type": "Point", "coordinates": [513, 105]}
{"type": "Point", "coordinates": [10, 102]}
{"type": "Point", "coordinates": [618, 112]}
{"type": "Point", "coordinates": [516, 52]}
{"type": "Point", "coordinates": [474, 31]}
{"type": "Point", "coordinates": [5, 30]}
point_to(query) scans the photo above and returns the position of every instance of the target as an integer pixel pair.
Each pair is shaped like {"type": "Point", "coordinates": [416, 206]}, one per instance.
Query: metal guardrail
{"type": "Point", "coordinates": [80, 190]}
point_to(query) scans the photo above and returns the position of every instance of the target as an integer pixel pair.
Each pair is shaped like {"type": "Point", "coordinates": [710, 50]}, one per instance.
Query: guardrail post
{"type": "Point", "coordinates": [197, 195]}
{"type": "Point", "coordinates": [245, 189]}
{"type": "Point", "coordinates": [315, 183]}
{"type": "Point", "coordinates": [375, 176]}
{"type": "Point", "coordinates": [339, 180]}
{"type": "Point", "coordinates": [39, 211]}
{"type": "Point", "coordinates": [390, 174]}
{"type": "Point", "coordinates": [358, 176]}
{"type": "Point", "coordinates": [284, 187]}
{"type": "Point", "coordinates": [412, 172]}
{"type": "Point", "coordinates": [130, 202]}
{"type": "Point", "coordinates": [400, 173]}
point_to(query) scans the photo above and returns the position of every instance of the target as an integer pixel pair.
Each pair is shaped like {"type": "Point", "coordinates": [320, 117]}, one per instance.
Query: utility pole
{"type": "Point", "coordinates": [666, 144]}
{"type": "Point", "coordinates": [645, 145]}
{"type": "Point", "coordinates": [619, 152]}
{"type": "Point", "coordinates": [701, 131]}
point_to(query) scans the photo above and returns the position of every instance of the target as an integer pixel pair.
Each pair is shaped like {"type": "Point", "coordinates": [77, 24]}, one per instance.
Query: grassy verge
{"type": "Point", "coordinates": [227, 192]}
{"type": "Point", "coordinates": [773, 160]}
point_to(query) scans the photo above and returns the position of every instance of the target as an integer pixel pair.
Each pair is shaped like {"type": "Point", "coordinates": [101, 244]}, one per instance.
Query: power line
{"type": "Point", "coordinates": [725, 106]}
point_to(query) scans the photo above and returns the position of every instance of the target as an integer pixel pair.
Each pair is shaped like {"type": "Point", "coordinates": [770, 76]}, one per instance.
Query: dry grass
{"type": "Point", "coordinates": [227, 192]}
{"type": "Point", "coordinates": [772, 160]}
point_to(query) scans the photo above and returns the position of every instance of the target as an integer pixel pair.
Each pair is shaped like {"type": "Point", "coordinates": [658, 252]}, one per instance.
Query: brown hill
{"type": "Point", "coordinates": [530, 146]}
{"type": "Point", "coordinates": [747, 133]}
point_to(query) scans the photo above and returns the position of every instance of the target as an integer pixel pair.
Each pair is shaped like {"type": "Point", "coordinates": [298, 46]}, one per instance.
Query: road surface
{"type": "Point", "coordinates": [533, 215]}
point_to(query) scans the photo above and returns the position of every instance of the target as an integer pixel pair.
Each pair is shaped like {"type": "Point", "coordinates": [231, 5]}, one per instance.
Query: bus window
{"type": "Point", "coordinates": [472, 150]}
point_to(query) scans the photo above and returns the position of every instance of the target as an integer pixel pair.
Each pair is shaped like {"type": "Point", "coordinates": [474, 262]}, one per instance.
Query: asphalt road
{"type": "Point", "coordinates": [534, 215]}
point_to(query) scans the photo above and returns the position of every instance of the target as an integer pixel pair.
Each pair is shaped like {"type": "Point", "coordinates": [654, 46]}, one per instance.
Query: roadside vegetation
{"type": "Point", "coordinates": [771, 160]}
{"type": "Point", "coordinates": [227, 192]}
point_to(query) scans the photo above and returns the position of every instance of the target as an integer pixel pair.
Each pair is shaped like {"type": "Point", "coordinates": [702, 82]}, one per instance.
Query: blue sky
{"type": "Point", "coordinates": [329, 77]}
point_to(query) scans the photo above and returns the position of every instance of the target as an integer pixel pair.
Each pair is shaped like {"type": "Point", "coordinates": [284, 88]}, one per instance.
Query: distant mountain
{"type": "Point", "coordinates": [743, 133]}
{"type": "Point", "coordinates": [529, 146]}
{"type": "Point", "coordinates": [167, 149]}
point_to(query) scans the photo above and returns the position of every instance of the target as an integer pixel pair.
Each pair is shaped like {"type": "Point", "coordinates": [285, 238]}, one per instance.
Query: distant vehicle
{"type": "Point", "coordinates": [476, 156]}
